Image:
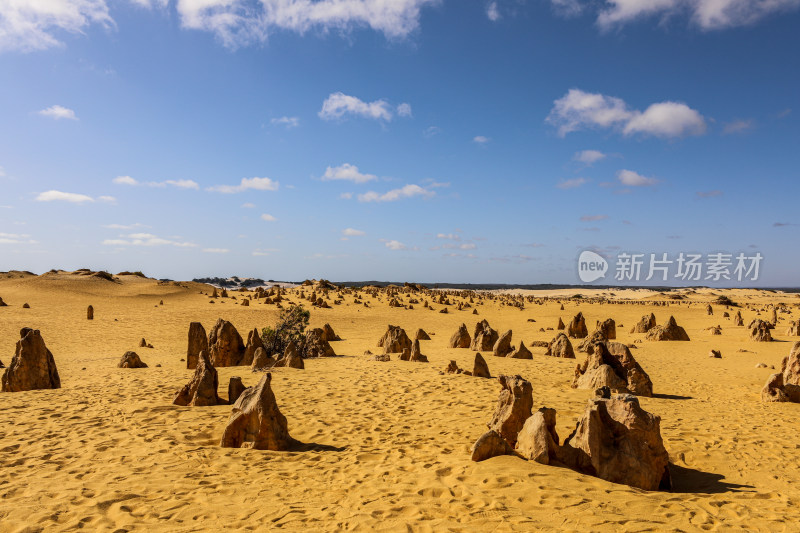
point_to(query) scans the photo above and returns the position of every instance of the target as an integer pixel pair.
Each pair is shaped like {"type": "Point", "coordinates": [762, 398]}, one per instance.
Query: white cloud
{"type": "Point", "coordinates": [572, 183]}
{"type": "Point", "coordinates": [480, 139]}
{"type": "Point", "coordinates": [346, 195]}
{"type": "Point", "coordinates": [337, 105]}
{"type": "Point", "coordinates": [350, 232]}
{"type": "Point", "coordinates": [248, 205]}
{"type": "Point", "coordinates": [146, 239]}
{"type": "Point", "coordinates": [261, 252]}
{"type": "Point", "coordinates": [59, 196]}
{"type": "Point", "coordinates": [56, 112]}
{"type": "Point", "coordinates": [404, 110]}
{"type": "Point", "coordinates": [407, 191]}
{"type": "Point", "coordinates": [737, 126]}
{"type": "Point", "coordinates": [395, 245]}
{"type": "Point", "coordinates": [589, 157]}
{"type": "Point", "coordinates": [706, 14]}
{"type": "Point", "coordinates": [16, 238]}
{"type": "Point", "coordinates": [492, 12]}
{"type": "Point", "coordinates": [268, 218]}
{"type": "Point", "coordinates": [634, 179]}
{"type": "Point", "coordinates": [125, 226]}
{"type": "Point", "coordinates": [107, 199]}
{"type": "Point", "coordinates": [289, 122]}
{"type": "Point", "coordinates": [593, 218]}
{"type": "Point", "coordinates": [578, 110]}
{"type": "Point", "coordinates": [448, 236]}
{"type": "Point", "coordinates": [181, 184]}
{"type": "Point", "coordinates": [125, 180]}
{"type": "Point", "coordinates": [347, 172]}
{"type": "Point", "coordinates": [430, 131]}
{"type": "Point", "coordinates": [31, 25]}
{"type": "Point", "coordinates": [238, 22]}
{"type": "Point", "coordinates": [257, 184]}
{"type": "Point", "coordinates": [215, 250]}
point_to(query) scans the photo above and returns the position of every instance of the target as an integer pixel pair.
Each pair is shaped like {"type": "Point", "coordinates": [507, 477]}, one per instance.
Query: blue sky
{"type": "Point", "coordinates": [406, 140]}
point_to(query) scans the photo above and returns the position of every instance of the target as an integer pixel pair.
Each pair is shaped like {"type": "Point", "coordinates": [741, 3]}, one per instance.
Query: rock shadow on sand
{"type": "Point", "coordinates": [690, 481]}
{"type": "Point", "coordinates": [671, 397]}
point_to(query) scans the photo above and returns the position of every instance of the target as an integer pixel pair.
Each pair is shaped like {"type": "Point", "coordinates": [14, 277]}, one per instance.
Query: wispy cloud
{"type": "Point", "coordinates": [705, 14]}
{"type": "Point", "coordinates": [492, 12]}
{"type": "Point", "coordinates": [16, 238]}
{"type": "Point", "coordinates": [216, 250]}
{"type": "Point", "coordinates": [572, 183]}
{"type": "Point", "coordinates": [347, 172]}
{"type": "Point", "coordinates": [263, 252]}
{"type": "Point", "coordinates": [350, 232]}
{"type": "Point", "coordinates": [255, 184]}
{"type": "Point", "coordinates": [480, 139]}
{"type": "Point", "coordinates": [738, 126]}
{"type": "Point", "coordinates": [288, 122]}
{"type": "Point", "coordinates": [593, 218]}
{"type": "Point", "coordinates": [71, 197]}
{"type": "Point", "coordinates": [579, 110]}
{"type": "Point", "coordinates": [146, 239]}
{"type": "Point", "coordinates": [125, 226]}
{"type": "Point", "coordinates": [783, 224]}
{"type": "Point", "coordinates": [181, 184]}
{"type": "Point", "coordinates": [408, 191]}
{"type": "Point", "coordinates": [404, 110]}
{"type": "Point", "coordinates": [55, 112]}
{"type": "Point", "coordinates": [430, 131]}
{"type": "Point", "coordinates": [268, 218]}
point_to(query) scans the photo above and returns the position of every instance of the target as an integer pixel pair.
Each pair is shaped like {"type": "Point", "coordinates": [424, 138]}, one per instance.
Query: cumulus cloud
{"type": "Point", "coordinates": [57, 112]}
{"type": "Point", "coordinates": [289, 122]}
{"type": "Point", "coordinates": [347, 172]}
{"type": "Point", "coordinates": [579, 110]}
{"type": "Point", "coordinates": [268, 218]}
{"type": "Point", "coordinates": [256, 184]}
{"type": "Point", "coordinates": [634, 179]}
{"type": "Point", "coordinates": [350, 232]}
{"type": "Point", "coordinates": [395, 245]}
{"type": "Point", "coordinates": [181, 184]}
{"type": "Point", "coordinates": [337, 105]}
{"type": "Point", "coordinates": [589, 157]}
{"type": "Point", "coordinates": [480, 139]}
{"type": "Point", "coordinates": [408, 191]}
{"type": "Point", "coordinates": [572, 183]}
{"type": "Point", "coordinates": [146, 239]}
{"type": "Point", "coordinates": [71, 197]}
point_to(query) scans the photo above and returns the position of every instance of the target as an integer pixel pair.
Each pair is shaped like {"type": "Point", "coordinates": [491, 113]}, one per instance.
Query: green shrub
{"type": "Point", "coordinates": [290, 326]}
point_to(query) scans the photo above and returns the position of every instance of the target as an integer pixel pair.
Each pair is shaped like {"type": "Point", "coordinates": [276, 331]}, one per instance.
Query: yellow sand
{"type": "Point", "coordinates": [387, 443]}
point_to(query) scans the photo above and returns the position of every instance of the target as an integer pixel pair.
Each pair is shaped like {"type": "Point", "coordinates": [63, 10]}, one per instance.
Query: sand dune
{"type": "Point", "coordinates": [386, 445]}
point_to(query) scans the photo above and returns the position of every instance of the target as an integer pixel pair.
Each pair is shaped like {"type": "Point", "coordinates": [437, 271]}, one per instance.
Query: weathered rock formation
{"type": "Point", "coordinates": [32, 367]}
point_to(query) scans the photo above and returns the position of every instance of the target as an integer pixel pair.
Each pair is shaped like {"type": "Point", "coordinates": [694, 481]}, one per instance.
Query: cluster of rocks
{"type": "Point", "coordinates": [670, 331]}
{"type": "Point", "coordinates": [225, 347]}
{"type": "Point", "coordinates": [479, 370]}
{"type": "Point", "coordinates": [396, 340]}
{"type": "Point", "coordinates": [615, 439]}
{"type": "Point", "coordinates": [611, 364]}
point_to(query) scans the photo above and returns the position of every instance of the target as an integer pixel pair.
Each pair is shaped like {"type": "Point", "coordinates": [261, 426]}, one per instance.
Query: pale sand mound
{"type": "Point", "coordinates": [386, 444]}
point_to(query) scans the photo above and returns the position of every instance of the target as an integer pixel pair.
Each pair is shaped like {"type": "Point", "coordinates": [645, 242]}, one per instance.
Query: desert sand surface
{"type": "Point", "coordinates": [386, 444]}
